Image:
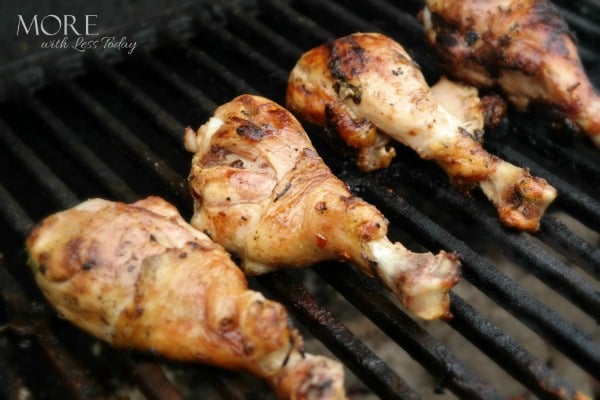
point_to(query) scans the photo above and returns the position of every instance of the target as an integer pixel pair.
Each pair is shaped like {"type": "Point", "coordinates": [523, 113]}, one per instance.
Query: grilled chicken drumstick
{"type": "Point", "coordinates": [262, 191]}
{"type": "Point", "coordinates": [524, 47]}
{"type": "Point", "coordinates": [366, 88]}
{"type": "Point", "coordinates": [138, 276]}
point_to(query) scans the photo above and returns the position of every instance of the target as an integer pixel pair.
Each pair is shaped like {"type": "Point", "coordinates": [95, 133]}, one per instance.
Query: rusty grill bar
{"type": "Point", "coordinates": [110, 126]}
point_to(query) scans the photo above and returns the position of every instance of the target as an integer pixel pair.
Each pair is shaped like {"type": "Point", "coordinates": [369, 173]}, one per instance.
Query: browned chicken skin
{"type": "Point", "coordinates": [524, 47]}
{"type": "Point", "coordinates": [262, 191]}
{"type": "Point", "coordinates": [366, 88]}
{"type": "Point", "coordinates": [138, 276]}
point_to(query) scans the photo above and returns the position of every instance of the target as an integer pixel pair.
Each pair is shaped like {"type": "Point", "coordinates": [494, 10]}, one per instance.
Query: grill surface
{"type": "Point", "coordinates": [110, 125]}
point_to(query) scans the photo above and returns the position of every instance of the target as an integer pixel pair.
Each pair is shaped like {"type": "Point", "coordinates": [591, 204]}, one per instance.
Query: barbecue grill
{"type": "Point", "coordinates": [109, 124]}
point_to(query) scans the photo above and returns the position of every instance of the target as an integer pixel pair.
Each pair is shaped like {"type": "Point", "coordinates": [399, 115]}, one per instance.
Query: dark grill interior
{"type": "Point", "coordinates": [110, 125]}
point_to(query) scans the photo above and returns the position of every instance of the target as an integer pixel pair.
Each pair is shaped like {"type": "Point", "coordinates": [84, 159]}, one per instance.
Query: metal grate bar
{"type": "Point", "coordinates": [284, 48]}
{"type": "Point", "coordinates": [299, 20]}
{"type": "Point", "coordinates": [406, 22]}
{"type": "Point", "coordinates": [584, 39]}
{"type": "Point", "coordinates": [556, 274]}
{"type": "Point", "coordinates": [509, 354]}
{"type": "Point", "coordinates": [11, 384]}
{"type": "Point", "coordinates": [138, 97]}
{"type": "Point", "coordinates": [70, 371]}
{"type": "Point", "coordinates": [359, 358]}
{"type": "Point", "coordinates": [565, 336]}
{"type": "Point", "coordinates": [14, 214]}
{"type": "Point", "coordinates": [224, 386]}
{"type": "Point", "coordinates": [31, 162]}
{"type": "Point", "coordinates": [590, 8]}
{"type": "Point", "coordinates": [194, 95]}
{"type": "Point", "coordinates": [584, 165]}
{"type": "Point", "coordinates": [439, 361]}
{"type": "Point", "coordinates": [78, 149]}
{"type": "Point", "coordinates": [152, 381]}
{"type": "Point", "coordinates": [342, 14]}
{"type": "Point", "coordinates": [417, 3]}
{"type": "Point", "coordinates": [586, 29]}
{"type": "Point", "coordinates": [253, 56]}
{"type": "Point", "coordinates": [142, 152]}
{"type": "Point", "coordinates": [554, 233]}
{"type": "Point", "coordinates": [204, 60]}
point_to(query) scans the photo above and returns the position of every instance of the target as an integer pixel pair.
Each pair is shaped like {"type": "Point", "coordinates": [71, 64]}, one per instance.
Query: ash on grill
{"type": "Point", "coordinates": [108, 124]}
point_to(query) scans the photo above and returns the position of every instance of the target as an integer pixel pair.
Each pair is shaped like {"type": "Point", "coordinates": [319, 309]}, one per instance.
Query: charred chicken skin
{"type": "Point", "coordinates": [366, 89]}
{"type": "Point", "coordinates": [262, 191]}
{"type": "Point", "coordinates": [138, 276]}
{"type": "Point", "coordinates": [523, 47]}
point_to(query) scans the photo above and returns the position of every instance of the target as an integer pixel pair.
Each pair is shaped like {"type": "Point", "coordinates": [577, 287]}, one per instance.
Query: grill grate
{"type": "Point", "coordinates": [111, 126]}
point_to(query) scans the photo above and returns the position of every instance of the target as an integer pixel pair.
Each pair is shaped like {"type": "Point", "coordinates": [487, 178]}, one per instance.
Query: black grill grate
{"type": "Point", "coordinates": [111, 126]}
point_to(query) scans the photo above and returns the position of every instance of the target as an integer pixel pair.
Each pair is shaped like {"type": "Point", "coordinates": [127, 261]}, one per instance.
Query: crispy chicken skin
{"type": "Point", "coordinates": [262, 191]}
{"type": "Point", "coordinates": [366, 89]}
{"type": "Point", "coordinates": [523, 47]}
{"type": "Point", "coordinates": [138, 276]}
